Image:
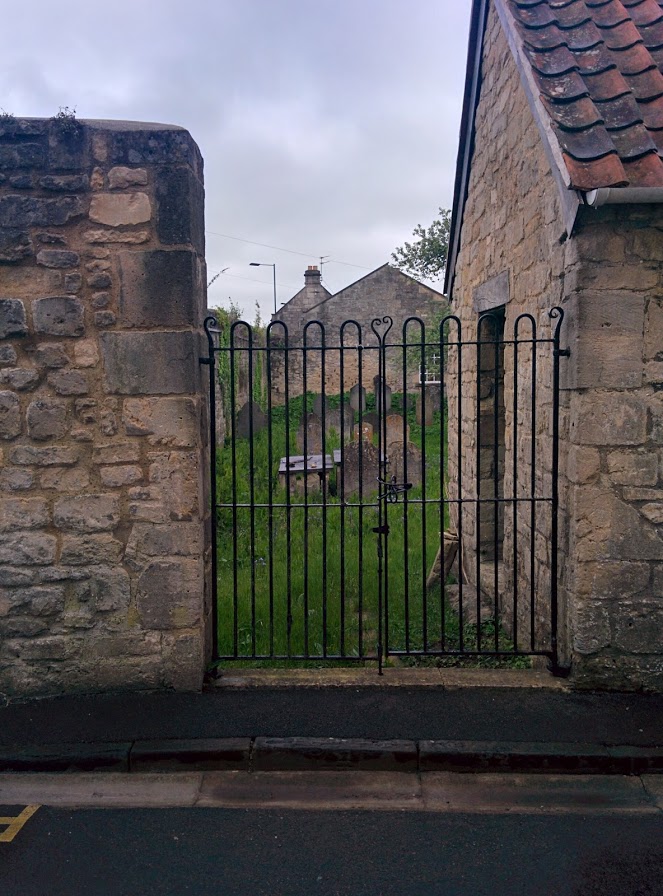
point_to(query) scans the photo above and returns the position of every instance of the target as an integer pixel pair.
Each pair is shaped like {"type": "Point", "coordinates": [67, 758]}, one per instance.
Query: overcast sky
{"type": "Point", "coordinates": [328, 127]}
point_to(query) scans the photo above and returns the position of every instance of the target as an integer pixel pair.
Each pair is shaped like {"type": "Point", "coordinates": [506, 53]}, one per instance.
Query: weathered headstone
{"type": "Point", "coordinates": [356, 455]}
{"type": "Point", "coordinates": [394, 428]}
{"type": "Point", "coordinates": [425, 418]}
{"type": "Point", "coordinates": [320, 401]}
{"type": "Point", "coordinates": [335, 416]}
{"type": "Point", "coordinates": [312, 425]}
{"type": "Point", "coordinates": [397, 457]}
{"type": "Point", "coordinates": [381, 391]}
{"type": "Point", "coordinates": [363, 431]}
{"type": "Point", "coordinates": [358, 398]}
{"type": "Point", "coordinates": [243, 420]}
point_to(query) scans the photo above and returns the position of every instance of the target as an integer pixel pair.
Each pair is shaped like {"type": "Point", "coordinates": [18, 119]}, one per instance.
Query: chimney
{"type": "Point", "coordinates": [313, 290]}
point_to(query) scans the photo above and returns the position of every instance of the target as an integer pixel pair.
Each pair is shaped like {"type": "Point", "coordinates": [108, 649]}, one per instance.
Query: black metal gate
{"type": "Point", "coordinates": [345, 476]}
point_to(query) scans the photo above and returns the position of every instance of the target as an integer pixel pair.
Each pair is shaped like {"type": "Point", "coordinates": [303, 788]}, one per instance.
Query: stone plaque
{"type": "Point", "coordinates": [426, 418]}
{"type": "Point", "coordinates": [394, 426]}
{"type": "Point", "coordinates": [379, 391]}
{"type": "Point", "coordinates": [365, 430]}
{"type": "Point", "coordinates": [335, 416]}
{"type": "Point", "coordinates": [350, 476]}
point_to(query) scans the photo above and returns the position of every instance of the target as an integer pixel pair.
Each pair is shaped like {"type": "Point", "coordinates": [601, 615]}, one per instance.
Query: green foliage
{"type": "Point", "coordinates": [66, 123]}
{"type": "Point", "coordinates": [426, 257]}
{"type": "Point", "coordinates": [6, 117]}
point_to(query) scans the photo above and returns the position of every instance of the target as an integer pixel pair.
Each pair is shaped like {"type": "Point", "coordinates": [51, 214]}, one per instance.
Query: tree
{"type": "Point", "coordinates": [426, 258]}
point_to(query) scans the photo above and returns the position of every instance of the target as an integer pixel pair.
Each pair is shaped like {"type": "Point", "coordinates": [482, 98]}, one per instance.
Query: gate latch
{"type": "Point", "coordinates": [394, 489]}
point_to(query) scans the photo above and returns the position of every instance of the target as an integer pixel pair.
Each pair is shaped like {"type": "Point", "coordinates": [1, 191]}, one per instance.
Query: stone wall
{"type": "Point", "coordinates": [511, 256]}
{"type": "Point", "coordinates": [103, 572]}
{"type": "Point", "coordinates": [608, 277]}
{"type": "Point", "coordinates": [385, 291]}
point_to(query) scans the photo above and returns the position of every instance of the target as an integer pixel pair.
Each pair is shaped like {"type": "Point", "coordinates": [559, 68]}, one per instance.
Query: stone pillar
{"type": "Point", "coordinates": [104, 569]}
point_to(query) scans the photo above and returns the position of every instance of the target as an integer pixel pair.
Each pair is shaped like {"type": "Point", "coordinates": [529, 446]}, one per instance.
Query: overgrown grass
{"type": "Point", "coordinates": [305, 569]}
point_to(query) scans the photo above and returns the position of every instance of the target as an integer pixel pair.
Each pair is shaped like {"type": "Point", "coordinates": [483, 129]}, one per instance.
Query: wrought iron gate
{"type": "Point", "coordinates": [335, 506]}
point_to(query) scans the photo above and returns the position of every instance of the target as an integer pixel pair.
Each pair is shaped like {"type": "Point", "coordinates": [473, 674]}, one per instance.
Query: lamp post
{"type": "Point", "coordinates": [265, 264]}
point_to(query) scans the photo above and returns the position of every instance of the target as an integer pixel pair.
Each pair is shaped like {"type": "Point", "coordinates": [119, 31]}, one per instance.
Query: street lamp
{"type": "Point", "coordinates": [265, 264]}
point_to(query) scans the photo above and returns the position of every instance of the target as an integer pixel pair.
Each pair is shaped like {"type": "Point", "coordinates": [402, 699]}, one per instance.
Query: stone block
{"type": "Point", "coordinates": [127, 237]}
{"type": "Point", "coordinates": [16, 480]}
{"type": "Point", "coordinates": [51, 355]}
{"type": "Point", "coordinates": [104, 319]}
{"type": "Point", "coordinates": [101, 300]}
{"type": "Point", "coordinates": [58, 258]}
{"type": "Point", "coordinates": [118, 476]}
{"type": "Point", "coordinates": [172, 540]}
{"type": "Point", "coordinates": [608, 418]}
{"type": "Point", "coordinates": [10, 415]}
{"type": "Point", "coordinates": [99, 280]}
{"type": "Point", "coordinates": [21, 379]}
{"type": "Point", "coordinates": [180, 205]}
{"type": "Point", "coordinates": [583, 463]}
{"type": "Point", "coordinates": [28, 455]}
{"type": "Point", "coordinates": [170, 594]}
{"type": "Point", "coordinates": [164, 421]}
{"type": "Point", "coordinates": [176, 478]}
{"type": "Point", "coordinates": [64, 183]}
{"type": "Point", "coordinates": [8, 356]}
{"type": "Point", "coordinates": [27, 211]}
{"type": "Point", "coordinates": [69, 382]}
{"type": "Point", "coordinates": [611, 580]}
{"type": "Point", "coordinates": [64, 479]}
{"type": "Point", "coordinates": [163, 363]}
{"type": "Point", "coordinates": [59, 316]}
{"type": "Point", "coordinates": [21, 155]}
{"type": "Point", "coordinates": [158, 288]}
{"type": "Point", "coordinates": [23, 513]}
{"type": "Point", "coordinates": [653, 512]}
{"type": "Point", "coordinates": [639, 626]}
{"type": "Point", "coordinates": [86, 353]}
{"type": "Point", "coordinates": [15, 245]}
{"type": "Point", "coordinates": [87, 513]}
{"type": "Point", "coordinates": [72, 283]}
{"type": "Point", "coordinates": [119, 177]}
{"type": "Point", "coordinates": [47, 419]}
{"type": "Point", "coordinates": [591, 626]}
{"type": "Point", "coordinates": [609, 529]}
{"type": "Point", "coordinates": [633, 468]}
{"type": "Point", "coordinates": [37, 601]}
{"type": "Point", "coordinates": [88, 550]}
{"type": "Point", "coordinates": [120, 209]}
{"type": "Point", "coordinates": [108, 589]}
{"type": "Point", "coordinates": [116, 453]}
{"type": "Point", "coordinates": [12, 318]}
{"type": "Point", "coordinates": [28, 548]}
{"type": "Point", "coordinates": [653, 330]}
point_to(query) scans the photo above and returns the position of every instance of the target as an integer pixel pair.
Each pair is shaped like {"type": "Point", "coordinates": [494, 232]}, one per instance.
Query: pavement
{"type": "Point", "coordinates": [330, 720]}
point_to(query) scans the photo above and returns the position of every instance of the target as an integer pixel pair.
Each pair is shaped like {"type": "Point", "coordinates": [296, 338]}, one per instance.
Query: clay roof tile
{"type": "Point", "coordinates": [598, 68]}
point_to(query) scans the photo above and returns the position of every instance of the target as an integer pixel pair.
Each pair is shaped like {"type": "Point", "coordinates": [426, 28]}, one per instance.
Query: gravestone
{"type": "Point", "coordinates": [243, 420]}
{"type": "Point", "coordinates": [379, 390]}
{"type": "Point", "coordinates": [366, 454]}
{"type": "Point", "coordinates": [372, 419]}
{"type": "Point", "coordinates": [394, 427]}
{"type": "Point", "coordinates": [397, 463]}
{"type": "Point", "coordinates": [312, 425]}
{"type": "Point", "coordinates": [358, 398]}
{"type": "Point", "coordinates": [426, 418]}
{"type": "Point", "coordinates": [365, 430]}
{"type": "Point", "coordinates": [320, 401]}
{"type": "Point", "coordinates": [333, 419]}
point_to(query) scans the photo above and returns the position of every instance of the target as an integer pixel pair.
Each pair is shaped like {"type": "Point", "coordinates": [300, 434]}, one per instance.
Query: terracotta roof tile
{"type": "Point", "coordinates": [598, 67]}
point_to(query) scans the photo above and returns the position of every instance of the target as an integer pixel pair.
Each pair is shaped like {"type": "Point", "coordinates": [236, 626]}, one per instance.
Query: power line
{"type": "Point", "coordinates": [240, 239]}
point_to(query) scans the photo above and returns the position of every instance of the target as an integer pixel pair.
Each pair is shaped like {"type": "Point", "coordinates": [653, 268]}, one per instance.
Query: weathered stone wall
{"type": "Point", "coordinates": [608, 277]}
{"type": "Point", "coordinates": [511, 252]}
{"type": "Point", "coordinates": [102, 511]}
{"type": "Point", "coordinates": [385, 292]}
{"type": "Point", "coordinates": [614, 288]}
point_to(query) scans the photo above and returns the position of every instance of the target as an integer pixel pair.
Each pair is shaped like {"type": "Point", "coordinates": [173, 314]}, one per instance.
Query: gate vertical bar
{"type": "Point", "coordinates": [211, 362]}
{"type": "Point", "coordinates": [558, 315]}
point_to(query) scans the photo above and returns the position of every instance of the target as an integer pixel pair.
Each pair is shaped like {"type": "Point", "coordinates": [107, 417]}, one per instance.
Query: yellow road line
{"type": "Point", "coordinates": [15, 824]}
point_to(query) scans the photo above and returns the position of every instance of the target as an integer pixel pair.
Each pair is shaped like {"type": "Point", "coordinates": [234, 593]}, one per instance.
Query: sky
{"type": "Point", "coordinates": [329, 128]}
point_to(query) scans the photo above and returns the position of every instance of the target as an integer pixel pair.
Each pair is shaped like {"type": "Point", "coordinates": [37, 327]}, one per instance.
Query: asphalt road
{"type": "Point", "coordinates": [209, 852]}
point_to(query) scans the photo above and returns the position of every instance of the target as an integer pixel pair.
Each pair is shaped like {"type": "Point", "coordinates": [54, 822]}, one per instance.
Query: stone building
{"type": "Point", "coordinates": [557, 202]}
{"type": "Point", "coordinates": [384, 292]}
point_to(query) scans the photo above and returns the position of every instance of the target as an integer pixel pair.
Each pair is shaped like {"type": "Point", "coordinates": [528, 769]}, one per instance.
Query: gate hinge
{"type": "Point", "coordinates": [204, 361]}
{"type": "Point", "coordinates": [381, 530]}
{"type": "Point", "coordinates": [563, 353]}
